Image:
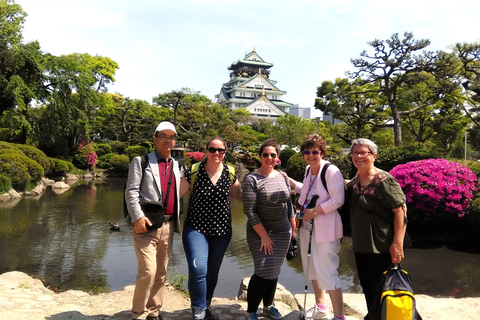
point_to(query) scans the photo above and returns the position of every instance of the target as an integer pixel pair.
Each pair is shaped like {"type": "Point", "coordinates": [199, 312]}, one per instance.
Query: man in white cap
{"type": "Point", "coordinates": [153, 201]}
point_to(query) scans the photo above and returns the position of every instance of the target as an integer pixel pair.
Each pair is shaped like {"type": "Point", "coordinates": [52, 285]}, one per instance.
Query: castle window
{"type": "Point", "coordinates": [258, 86]}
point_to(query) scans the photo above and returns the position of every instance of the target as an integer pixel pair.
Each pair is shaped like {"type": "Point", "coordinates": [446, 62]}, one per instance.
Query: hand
{"type": "Point", "coordinates": [140, 226]}
{"type": "Point", "coordinates": [309, 215]}
{"type": "Point", "coordinates": [267, 245]}
{"type": "Point", "coordinates": [396, 252]}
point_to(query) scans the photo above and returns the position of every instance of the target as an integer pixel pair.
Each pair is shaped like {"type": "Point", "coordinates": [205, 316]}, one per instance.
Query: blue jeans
{"type": "Point", "coordinates": [204, 257]}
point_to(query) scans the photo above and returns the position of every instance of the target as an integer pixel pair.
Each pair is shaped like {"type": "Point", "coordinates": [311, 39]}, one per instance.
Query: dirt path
{"type": "Point", "coordinates": [22, 297]}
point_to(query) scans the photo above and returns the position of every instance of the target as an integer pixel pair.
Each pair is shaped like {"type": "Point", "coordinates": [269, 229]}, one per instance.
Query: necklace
{"type": "Point", "coordinates": [278, 192]}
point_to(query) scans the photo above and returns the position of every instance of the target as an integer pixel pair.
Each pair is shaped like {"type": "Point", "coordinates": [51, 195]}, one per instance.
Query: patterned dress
{"type": "Point", "coordinates": [266, 200]}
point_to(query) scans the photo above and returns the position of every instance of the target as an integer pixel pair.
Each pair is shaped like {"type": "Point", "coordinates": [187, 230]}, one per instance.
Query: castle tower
{"type": "Point", "coordinates": [250, 87]}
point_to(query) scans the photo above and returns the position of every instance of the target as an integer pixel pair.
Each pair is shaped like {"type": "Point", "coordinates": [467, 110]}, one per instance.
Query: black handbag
{"type": "Point", "coordinates": [292, 249]}
{"type": "Point", "coordinates": [154, 213]}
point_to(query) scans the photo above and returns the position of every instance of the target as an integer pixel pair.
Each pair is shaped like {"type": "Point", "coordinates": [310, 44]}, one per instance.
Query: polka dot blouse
{"type": "Point", "coordinates": [209, 205]}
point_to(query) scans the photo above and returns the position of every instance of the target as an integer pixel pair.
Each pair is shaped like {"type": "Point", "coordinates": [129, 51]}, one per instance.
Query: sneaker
{"type": "Point", "coordinates": [316, 313]}
{"type": "Point", "coordinates": [251, 316]}
{"type": "Point", "coordinates": [272, 312]}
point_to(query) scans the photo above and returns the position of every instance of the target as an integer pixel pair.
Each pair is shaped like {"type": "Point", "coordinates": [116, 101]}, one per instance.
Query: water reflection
{"type": "Point", "coordinates": [65, 239]}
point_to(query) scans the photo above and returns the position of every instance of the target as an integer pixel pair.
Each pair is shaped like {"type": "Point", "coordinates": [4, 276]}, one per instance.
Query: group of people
{"type": "Point", "coordinates": [153, 193]}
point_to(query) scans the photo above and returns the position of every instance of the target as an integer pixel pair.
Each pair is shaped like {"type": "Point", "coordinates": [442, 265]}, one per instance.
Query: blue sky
{"type": "Point", "coordinates": [163, 45]}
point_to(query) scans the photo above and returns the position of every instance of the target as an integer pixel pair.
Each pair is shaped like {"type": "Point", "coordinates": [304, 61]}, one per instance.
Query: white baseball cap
{"type": "Point", "coordinates": [165, 125]}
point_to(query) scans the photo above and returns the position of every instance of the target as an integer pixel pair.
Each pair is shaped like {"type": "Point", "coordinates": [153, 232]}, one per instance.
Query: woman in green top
{"type": "Point", "coordinates": [378, 217]}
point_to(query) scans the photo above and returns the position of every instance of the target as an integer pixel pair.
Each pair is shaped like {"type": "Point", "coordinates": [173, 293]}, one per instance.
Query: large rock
{"type": "Point", "coordinates": [281, 293]}
{"type": "Point", "coordinates": [61, 185]}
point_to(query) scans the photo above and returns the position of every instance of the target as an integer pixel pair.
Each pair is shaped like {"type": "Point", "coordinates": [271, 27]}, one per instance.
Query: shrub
{"type": "Point", "coordinates": [104, 161]}
{"type": "Point", "coordinates": [436, 186]}
{"type": "Point", "coordinates": [102, 149]}
{"type": "Point", "coordinates": [30, 151]}
{"type": "Point", "coordinates": [119, 164]}
{"type": "Point", "coordinates": [249, 159]}
{"type": "Point", "coordinates": [344, 162]}
{"type": "Point", "coordinates": [286, 154]}
{"type": "Point", "coordinates": [5, 183]}
{"type": "Point", "coordinates": [118, 147]}
{"type": "Point", "coordinates": [85, 156]}
{"type": "Point", "coordinates": [36, 154]}
{"type": "Point", "coordinates": [194, 157]}
{"type": "Point", "coordinates": [59, 167]}
{"type": "Point", "coordinates": [387, 158]}
{"type": "Point", "coordinates": [135, 151]}
{"type": "Point", "coordinates": [296, 167]}
{"type": "Point", "coordinates": [21, 170]}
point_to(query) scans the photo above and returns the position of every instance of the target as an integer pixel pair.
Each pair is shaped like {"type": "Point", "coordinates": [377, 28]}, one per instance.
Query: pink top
{"type": "Point", "coordinates": [164, 170]}
{"type": "Point", "coordinates": [328, 226]}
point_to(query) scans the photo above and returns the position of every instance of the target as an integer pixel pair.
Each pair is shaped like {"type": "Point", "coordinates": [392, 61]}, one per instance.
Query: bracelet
{"type": "Point", "coordinates": [314, 211]}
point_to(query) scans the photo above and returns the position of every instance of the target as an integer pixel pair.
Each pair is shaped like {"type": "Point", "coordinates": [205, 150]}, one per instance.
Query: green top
{"type": "Point", "coordinates": [371, 212]}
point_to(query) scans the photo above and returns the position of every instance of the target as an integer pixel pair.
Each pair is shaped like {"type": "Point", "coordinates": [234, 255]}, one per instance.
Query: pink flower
{"type": "Point", "coordinates": [435, 185]}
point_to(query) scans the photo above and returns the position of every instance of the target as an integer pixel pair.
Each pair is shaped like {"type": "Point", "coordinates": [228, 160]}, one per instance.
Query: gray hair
{"type": "Point", "coordinates": [364, 142]}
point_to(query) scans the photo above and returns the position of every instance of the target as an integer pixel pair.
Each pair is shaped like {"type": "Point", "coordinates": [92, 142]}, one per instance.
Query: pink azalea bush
{"type": "Point", "coordinates": [435, 185]}
{"type": "Point", "coordinates": [86, 155]}
{"type": "Point", "coordinates": [194, 156]}
{"type": "Point", "coordinates": [249, 159]}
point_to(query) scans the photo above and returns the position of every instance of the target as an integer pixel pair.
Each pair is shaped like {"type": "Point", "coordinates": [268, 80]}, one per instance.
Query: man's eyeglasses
{"type": "Point", "coordinates": [360, 154]}
{"type": "Point", "coordinates": [213, 150]}
{"type": "Point", "coordinates": [307, 152]}
{"type": "Point", "coordinates": [164, 136]}
{"type": "Point", "coordinates": [273, 155]}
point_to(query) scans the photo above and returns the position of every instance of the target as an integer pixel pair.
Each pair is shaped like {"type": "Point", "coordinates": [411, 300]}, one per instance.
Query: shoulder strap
{"type": "Point", "coordinates": [193, 174]}
{"type": "Point", "coordinates": [143, 161]}
{"type": "Point", "coordinates": [322, 175]}
{"type": "Point", "coordinates": [169, 184]}
{"type": "Point", "coordinates": [231, 170]}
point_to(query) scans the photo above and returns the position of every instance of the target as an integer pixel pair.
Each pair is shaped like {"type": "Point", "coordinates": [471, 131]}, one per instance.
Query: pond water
{"type": "Point", "coordinates": [64, 239]}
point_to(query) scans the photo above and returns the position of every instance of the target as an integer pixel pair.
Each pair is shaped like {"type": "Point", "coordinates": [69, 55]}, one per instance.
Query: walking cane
{"type": "Point", "coordinates": [310, 205]}
{"type": "Point", "coordinates": [308, 268]}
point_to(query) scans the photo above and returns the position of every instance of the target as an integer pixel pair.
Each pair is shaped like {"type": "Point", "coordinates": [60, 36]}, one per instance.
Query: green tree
{"type": "Point", "coordinates": [74, 82]}
{"type": "Point", "coordinates": [389, 66]}
{"type": "Point", "coordinates": [356, 103]}
{"type": "Point", "coordinates": [469, 74]}
{"type": "Point", "coordinates": [291, 130]}
{"type": "Point", "coordinates": [21, 68]}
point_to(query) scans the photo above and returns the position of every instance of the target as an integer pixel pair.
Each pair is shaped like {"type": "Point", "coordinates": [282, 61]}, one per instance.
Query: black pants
{"type": "Point", "coordinates": [370, 266]}
{"type": "Point", "coordinates": [258, 289]}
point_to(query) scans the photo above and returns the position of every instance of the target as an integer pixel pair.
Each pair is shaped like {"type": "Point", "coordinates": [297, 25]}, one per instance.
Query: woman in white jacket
{"type": "Point", "coordinates": [326, 222]}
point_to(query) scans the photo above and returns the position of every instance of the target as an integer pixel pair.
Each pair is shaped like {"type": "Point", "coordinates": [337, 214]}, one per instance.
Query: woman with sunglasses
{"type": "Point", "coordinates": [207, 230]}
{"type": "Point", "coordinates": [378, 215]}
{"type": "Point", "coordinates": [323, 217]}
{"type": "Point", "coordinates": [268, 206]}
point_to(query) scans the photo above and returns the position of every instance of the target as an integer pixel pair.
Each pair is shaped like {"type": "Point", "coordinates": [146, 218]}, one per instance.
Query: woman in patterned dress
{"type": "Point", "coordinates": [270, 226]}
{"type": "Point", "coordinates": [208, 229]}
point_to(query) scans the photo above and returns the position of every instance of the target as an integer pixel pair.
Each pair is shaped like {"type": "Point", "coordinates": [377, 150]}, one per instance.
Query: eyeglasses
{"type": "Point", "coordinates": [273, 155]}
{"type": "Point", "coordinates": [164, 136]}
{"type": "Point", "coordinates": [213, 150]}
{"type": "Point", "coordinates": [360, 154]}
{"type": "Point", "coordinates": [307, 152]}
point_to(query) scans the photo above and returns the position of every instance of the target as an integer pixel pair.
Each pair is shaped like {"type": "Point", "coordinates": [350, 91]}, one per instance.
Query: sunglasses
{"type": "Point", "coordinates": [213, 150]}
{"type": "Point", "coordinates": [273, 155]}
{"type": "Point", "coordinates": [307, 152]}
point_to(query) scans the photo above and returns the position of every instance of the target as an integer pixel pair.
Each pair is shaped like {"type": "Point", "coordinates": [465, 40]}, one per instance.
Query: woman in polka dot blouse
{"type": "Point", "coordinates": [208, 229]}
